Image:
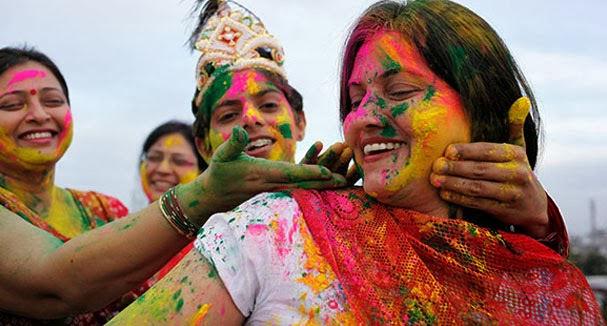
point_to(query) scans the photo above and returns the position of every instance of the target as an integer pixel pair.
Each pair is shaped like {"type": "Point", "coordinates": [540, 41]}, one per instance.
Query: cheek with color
{"type": "Point", "coordinates": [145, 184]}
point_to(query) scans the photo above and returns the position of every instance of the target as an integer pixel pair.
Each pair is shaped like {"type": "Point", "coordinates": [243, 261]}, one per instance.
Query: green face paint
{"type": "Point", "coordinates": [399, 109]}
{"type": "Point", "coordinates": [218, 88]}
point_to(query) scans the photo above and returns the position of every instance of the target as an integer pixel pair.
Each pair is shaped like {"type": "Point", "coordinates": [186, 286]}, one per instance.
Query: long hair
{"type": "Point", "coordinates": [464, 51]}
{"type": "Point", "coordinates": [13, 56]}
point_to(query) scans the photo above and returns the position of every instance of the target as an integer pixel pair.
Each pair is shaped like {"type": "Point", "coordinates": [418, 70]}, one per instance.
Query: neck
{"type": "Point", "coordinates": [35, 188]}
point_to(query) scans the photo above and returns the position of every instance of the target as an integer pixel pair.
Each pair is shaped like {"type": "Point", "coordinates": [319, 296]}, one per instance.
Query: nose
{"type": "Point", "coordinates": [36, 112]}
{"type": "Point", "coordinates": [164, 166]}
{"type": "Point", "coordinates": [369, 113]}
{"type": "Point", "coordinates": [251, 116]}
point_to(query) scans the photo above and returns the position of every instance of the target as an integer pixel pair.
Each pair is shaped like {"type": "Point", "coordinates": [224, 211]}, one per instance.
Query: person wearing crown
{"type": "Point", "coordinates": [366, 255]}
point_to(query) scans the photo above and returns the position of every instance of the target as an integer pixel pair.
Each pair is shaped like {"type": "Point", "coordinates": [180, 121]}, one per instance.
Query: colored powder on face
{"type": "Point", "coordinates": [429, 93]}
{"type": "Point", "coordinates": [24, 75]}
{"type": "Point", "coordinates": [285, 130]}
{"type": "Point", "coordinates": [145, 184]}
{"type": "Point", "coordinates": [388, 130]}
{"type": "Point", "coordinates": [189, 176]}
{"type": "Point", "coordinates": [389, 53]}
{"type": "Point", "coordinates": [65, 138]}
{"type": "Point", "coordinates": [173, 140]}
{"type": "Point", "coordinates": [199, 316]}
{"type": "Point", "coordinates": [399, 109]}
{"type": "Point", "coordinates": [217, 89]}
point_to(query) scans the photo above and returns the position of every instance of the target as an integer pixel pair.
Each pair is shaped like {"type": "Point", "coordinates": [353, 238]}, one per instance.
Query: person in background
{"type": "Point", "coordinates": [392, 251]}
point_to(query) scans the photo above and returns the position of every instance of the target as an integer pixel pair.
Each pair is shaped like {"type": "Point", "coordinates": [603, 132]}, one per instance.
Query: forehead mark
{"type": "Point", "coordinates": [25, 75]}
{"type": "Point", "coordinates": [173, 140]}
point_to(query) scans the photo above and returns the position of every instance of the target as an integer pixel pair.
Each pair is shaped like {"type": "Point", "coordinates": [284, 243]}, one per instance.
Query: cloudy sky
{"type": "Point", "coordinates": [128, 71]}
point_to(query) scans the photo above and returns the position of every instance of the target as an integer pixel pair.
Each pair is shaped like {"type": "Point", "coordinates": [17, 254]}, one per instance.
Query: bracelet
{"type": "Point", "coordinates": [174, 214]}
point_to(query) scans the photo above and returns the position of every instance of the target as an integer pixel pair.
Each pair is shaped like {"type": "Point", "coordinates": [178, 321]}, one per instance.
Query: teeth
{"type": "Point", "coordinates": [381, 147]}
{"type": "Point", "coordinates": [38, 135]}
{"type": "Point", "coordinates": [259, 143]}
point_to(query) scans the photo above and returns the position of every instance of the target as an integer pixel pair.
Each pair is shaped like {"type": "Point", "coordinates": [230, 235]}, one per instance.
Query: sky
{"type": "Point", "coordinates": [128, 70]}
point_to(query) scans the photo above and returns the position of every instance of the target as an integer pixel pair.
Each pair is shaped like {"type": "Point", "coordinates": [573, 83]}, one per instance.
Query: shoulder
{"type": "Point", "coordinates": [101, 205]}
{"type": "Point", "coordinates": [260, 210]}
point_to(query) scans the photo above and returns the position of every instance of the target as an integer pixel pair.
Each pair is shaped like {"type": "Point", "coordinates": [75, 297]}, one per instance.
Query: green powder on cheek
{"type": "Point", "coordinates": [399, 109]}
{"type": "Point", "coordinates": [430, 93]}
{"type": "Point", "coordinates": [285, 130]}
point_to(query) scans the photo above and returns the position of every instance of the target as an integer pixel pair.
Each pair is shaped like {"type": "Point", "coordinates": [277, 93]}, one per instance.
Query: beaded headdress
{"type": "Point", "coordinates": [231, 38]}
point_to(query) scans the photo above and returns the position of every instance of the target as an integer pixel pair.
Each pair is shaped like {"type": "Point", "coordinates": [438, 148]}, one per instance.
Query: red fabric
{"type": "Point", "coordinates": [403, 267]}
{"type": "Point", "coordinates": [558, 240]}
{"type": "Point", "coordinates": [98, 209]}
{"type": "Point", "coordinates": [173, 262]}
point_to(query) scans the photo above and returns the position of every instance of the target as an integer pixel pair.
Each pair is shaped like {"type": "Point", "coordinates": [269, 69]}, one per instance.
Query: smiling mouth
{"type": "Point", "coordinates": [259, 143]}
{"type": "Point", "coordinates": [37, 135]}
{"type": "Point", "coordinates": [378, 148]}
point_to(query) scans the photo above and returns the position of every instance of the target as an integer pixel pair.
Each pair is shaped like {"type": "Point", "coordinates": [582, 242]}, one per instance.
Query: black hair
{"type": "Point", "coordinates": [13, 56]}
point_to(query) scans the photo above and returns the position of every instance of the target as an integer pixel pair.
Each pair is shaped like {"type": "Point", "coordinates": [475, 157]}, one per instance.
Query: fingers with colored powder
{"type": "Point", "coordinates": [516, 116]}
{"type": "Point", "coordinates": [337, 158]}
{"type": "Point", "coordinates": [495, 178]}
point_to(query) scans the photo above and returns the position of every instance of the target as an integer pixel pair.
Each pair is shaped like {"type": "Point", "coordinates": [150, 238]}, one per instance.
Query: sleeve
{"type": "Point", "coordinates": [241, 246]}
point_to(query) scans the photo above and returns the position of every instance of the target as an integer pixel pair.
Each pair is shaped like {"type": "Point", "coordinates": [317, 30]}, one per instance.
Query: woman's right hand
{"type": "Point", "coordinates": [233, 177]}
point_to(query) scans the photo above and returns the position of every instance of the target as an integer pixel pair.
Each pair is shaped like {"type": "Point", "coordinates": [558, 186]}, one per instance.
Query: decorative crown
{"type": "Point", "coordinates": [234, 39]}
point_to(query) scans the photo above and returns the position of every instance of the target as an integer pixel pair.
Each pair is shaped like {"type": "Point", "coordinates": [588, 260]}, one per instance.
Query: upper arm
{"type": "Point", "coordinates": [192, 293]}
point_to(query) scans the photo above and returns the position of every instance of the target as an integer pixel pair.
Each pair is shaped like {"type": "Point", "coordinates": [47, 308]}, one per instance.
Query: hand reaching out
{"type": "Point", "coordinates": [233, 177]}
{"type": "Point", "coordinates": [337, 158]}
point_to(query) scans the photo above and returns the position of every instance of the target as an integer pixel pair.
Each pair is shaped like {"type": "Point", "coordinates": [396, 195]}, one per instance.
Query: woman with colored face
{"type": "Point", "coordinates": [169, 157]}
{"type": "Point", "coordinates": [393, 251]}
{"type": "Point", "coordinates": [43, 275]}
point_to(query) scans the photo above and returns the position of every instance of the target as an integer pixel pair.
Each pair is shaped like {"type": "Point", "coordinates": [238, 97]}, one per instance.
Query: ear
{"type": "Point", "coordinates": [300, 125]}
{"type": "Point", "coordinates": [204, 148]}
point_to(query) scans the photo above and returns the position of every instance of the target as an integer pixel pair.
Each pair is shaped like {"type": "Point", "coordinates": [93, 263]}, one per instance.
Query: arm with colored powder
{"type": "Point", "coordinates": [191, 294]}
{"type": "Point", "coordinates": [41, 277]}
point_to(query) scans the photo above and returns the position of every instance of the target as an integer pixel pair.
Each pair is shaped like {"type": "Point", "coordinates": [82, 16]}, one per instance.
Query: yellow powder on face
{"type": "Point", "coordinates": [425, 124]}
{"type": "Point", "coordinates": [173, 140]}
{"type": "Point", "coordinates": [145, 183]}
{"type": "Point", "coordinates": [189, 176]}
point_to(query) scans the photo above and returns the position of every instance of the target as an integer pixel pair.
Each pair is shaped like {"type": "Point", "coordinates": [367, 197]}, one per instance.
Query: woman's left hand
{"type": "Point", "coordinates": [496, 178]}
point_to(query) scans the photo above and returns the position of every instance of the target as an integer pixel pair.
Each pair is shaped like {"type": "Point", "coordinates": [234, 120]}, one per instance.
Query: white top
{"type": "Point", "coordinates": [271, 266]}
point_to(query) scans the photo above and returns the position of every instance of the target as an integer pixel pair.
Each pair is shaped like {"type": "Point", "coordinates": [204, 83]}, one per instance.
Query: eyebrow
{"type": "Point", "coordinates": [256, 95]}
{"type": "Point", "coordinates": [44, 89]}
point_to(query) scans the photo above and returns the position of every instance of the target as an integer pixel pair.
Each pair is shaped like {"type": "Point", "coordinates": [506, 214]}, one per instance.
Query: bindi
{"type": "Point", "coordinates": [33, 92]}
